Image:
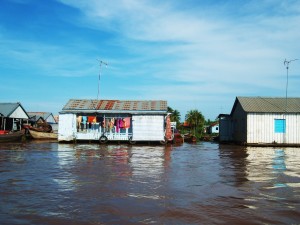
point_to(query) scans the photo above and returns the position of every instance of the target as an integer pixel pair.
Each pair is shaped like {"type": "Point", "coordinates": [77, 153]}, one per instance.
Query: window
{"type": "Point", "coordinates": [279, 125]}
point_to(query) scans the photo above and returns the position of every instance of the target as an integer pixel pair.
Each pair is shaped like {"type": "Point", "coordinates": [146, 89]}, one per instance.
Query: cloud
{"type": "Point", "coordinates": [229, 49]}
{"type": "Point", "coordinates": [184, 52]}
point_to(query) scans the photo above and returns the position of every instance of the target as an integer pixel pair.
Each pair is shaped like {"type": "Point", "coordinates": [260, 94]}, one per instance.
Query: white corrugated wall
{"type": "Point", "coordinates": [148, 128]}
{"type": "Point", "coordinates": [260, 128]}
{"type": "Point", "coordinates": [66, 127]}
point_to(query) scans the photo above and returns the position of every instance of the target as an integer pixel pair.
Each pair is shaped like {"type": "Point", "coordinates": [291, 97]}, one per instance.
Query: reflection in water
{"type": "Point", "coordinates": [234, 162]}
{"type": "Point", "coordinates": [204, 183]}
{"type": "Point", "coordinates": [278, 167]}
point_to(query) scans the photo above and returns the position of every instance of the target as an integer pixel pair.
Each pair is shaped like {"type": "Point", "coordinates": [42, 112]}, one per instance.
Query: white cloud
{"type": "Point", "coordinates": [190, 54]}
{"type": "Point", "coordinates": [217, 54]}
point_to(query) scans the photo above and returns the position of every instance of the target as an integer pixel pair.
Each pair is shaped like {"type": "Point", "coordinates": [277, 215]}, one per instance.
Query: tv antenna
{"type": "Point", "coordinates": [287, 63]}
{"type": "Point", "coordinates": [101, 63]}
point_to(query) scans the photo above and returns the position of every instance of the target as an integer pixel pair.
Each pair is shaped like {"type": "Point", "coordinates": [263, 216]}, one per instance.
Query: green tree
{"type": "Point", "coordinates": [175, 116]}
{"type": "Point", "coordinates": [196, 121]}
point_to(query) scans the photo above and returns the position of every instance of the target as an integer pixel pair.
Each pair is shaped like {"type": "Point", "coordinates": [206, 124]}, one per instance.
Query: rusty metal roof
{"type": "Point", "coordinates": [269, 105]}
{"type": "Point", "coordinates": [115, 105]}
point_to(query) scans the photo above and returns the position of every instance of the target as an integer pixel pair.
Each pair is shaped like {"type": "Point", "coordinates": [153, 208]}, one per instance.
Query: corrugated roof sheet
{"type": "Point", "coordinates": [116, 105]}
{"type": "Point", "coordinates": [270, 105]}
{"type": "Point", "coordinates": [44, 115]}
{"type": "Point", "coordinates": [6, 109]}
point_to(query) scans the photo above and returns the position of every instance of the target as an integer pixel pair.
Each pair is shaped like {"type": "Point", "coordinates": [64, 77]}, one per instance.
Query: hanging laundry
{"type": "Point", "coordinates": [79, 119]}
{"type": "Point", "coordinates": [121, 123]}
{"type": "Point", "coordinates": [102, 122]}
{"type": "Point", "coordinates": [111, 124]}
{"type": "Point", "coordinates": [107, 123]}
{"type": "Point", "coordinates": [118, 125]}
{"type": "Point", "coordinates": [126, 122]}
{"type": "Point", "coordinates": [99, 119]}
{"type": "Point", "coordinates": [91, 119]}
{"type": "Point", "coordinates": [84, 121]}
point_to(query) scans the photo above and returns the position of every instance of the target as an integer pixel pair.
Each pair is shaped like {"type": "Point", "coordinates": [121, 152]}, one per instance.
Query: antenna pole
{"type": "Point", "coordinates": [287, 63]}
{"type": "Point", "coordinates": [106, 64]}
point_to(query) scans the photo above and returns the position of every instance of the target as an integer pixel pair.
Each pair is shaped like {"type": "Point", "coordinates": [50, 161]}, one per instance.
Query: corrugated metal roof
{"type": "Point", "coordinates": [7, 109]}
{"type": "Point", "coordinates": [270, 105]}
{"type": "Point", "coordinates": [115, 105]}
{"type": "Point", "coordinates": [44, 115]}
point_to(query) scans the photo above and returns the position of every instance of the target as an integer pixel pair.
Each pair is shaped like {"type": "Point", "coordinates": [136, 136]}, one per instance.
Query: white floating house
{"type": "Point", "coordinates": [112, 120]}
{"type": "Point", "coordinates": [262, 121]}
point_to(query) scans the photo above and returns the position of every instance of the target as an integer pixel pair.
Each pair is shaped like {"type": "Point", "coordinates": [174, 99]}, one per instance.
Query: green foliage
{"type": "Point", "coordinates": [196, 121]}
{"type": "Point", "coordinates": [193, 117]}
{"type": "Point", "coordinates": [175, 116]}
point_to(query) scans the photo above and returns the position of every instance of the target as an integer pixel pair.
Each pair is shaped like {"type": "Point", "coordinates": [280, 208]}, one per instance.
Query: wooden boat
{"type": "Point", "coordinates": [190, 138]}
{"type": "Point", "coordinates": [42, 135]}
{"type": "Point", "coordinates": [178, 138]}
{"type": "Point", "coordinates": [41, 127]}
{"type": "Point", "coordinates": [6, 136]}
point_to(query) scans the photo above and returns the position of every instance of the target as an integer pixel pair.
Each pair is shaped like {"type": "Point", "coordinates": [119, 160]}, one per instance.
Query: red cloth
{"type": "Point", "coordinates": [126, 122]}
{"type": "Point", "coordinates": [91, 119]}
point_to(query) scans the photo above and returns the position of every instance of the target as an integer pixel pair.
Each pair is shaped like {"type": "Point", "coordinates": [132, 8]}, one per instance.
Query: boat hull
{"type": "Point", "coordinates": [190, 138]}
{"type": "Point", "coordinates": [42, 135]}
{"type": "Point", "coordinates": [12, 137]}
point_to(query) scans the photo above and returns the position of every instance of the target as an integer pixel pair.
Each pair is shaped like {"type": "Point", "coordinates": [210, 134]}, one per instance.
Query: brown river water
{"type": "Point", "coordinates": [203, 183]}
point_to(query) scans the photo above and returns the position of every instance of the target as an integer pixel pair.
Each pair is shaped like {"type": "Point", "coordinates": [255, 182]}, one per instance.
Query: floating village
{"type": "Point", "coordinates": [253, 121]}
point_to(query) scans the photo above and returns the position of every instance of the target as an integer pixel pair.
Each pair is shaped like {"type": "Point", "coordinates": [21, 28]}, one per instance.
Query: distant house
{"type": "Point", "coordinates": [12, 116]}
{"type": "Point", "coordinates": [35, 119]}
{"type": "Point", "coordinates": [56, 117]}
{"type": "Point", "coordinates": [262, 120]}
{"type": "Point", "coordinates": [112, 120]}
{"type": "Point", "coordinates": [41, 117]}
{"type": "Point", "coordinates": [213, 128]}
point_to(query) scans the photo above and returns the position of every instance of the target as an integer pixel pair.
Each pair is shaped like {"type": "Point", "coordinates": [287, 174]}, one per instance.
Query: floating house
{"type": "Point", "coordinates": [112, 120]}
{"type": "Point", "coordinates": [262, 121]}
{"type": "Point", "coordinates": [12, 116]}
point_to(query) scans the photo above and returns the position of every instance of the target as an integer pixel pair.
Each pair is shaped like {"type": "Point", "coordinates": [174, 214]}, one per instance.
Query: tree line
{"type": "Point", "coordinates": [195, 121]}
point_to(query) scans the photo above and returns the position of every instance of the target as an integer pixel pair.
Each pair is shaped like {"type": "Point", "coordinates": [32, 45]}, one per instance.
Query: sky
{"type": "Point", "coordinates": [195, 54]}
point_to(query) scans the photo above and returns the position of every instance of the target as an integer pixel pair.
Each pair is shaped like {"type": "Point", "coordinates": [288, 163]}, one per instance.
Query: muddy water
{"type": "Point", "coordinates": [205, 183]}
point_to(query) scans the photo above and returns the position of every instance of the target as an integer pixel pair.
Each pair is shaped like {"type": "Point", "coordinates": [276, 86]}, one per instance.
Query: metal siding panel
{"type": "Point", "coordinates": [147, 128]}
{"type": "Point", "coordinates": [225, 132]}
{"type": "Point", "coordinates": [239, 125]}
{"type": "Point", "coordinates": [66, 127]}
{"type": "Point", "coordinates": [261, 129]}
{"type": "Point", "coordinates": [293, 129]}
